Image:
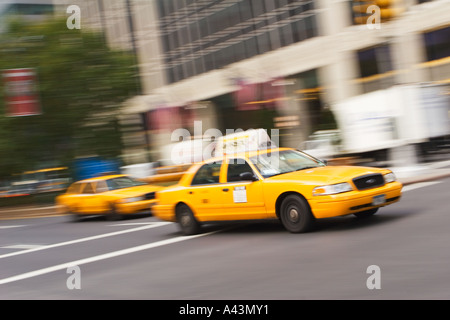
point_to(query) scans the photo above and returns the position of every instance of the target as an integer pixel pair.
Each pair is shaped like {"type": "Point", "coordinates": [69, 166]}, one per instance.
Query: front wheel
{"type": "Point", "coordinates": [186, 220]}
{"type": "Point", "coordinates": [73, 215]}
{"type": "Point", "coordinates": [113, 214]}
{"type": "Point", "coordinates": [295, 214]}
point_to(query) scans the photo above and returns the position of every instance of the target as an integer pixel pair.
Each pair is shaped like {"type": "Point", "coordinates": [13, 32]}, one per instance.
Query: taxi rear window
{"type": "Point", "coordinates": [207, 174]}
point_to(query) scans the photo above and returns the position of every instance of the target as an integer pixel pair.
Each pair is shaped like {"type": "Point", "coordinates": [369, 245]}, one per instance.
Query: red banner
{"type": "Point", "coordinates": [254, 96]}
{"type": "Point", "coordinates": [247, 96]}
{"type": "Point", "coordinates": [20, 92]}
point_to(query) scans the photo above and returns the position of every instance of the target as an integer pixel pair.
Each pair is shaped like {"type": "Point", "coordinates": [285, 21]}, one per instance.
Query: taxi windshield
{"type": "Point", "coordinates": [122, 182]}
{"type": "Point", "coordinates": [278, 162]}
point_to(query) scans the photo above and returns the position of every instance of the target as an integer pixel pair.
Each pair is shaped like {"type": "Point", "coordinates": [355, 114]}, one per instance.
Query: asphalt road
{"type": "Point", "coordinates": [401, 253]}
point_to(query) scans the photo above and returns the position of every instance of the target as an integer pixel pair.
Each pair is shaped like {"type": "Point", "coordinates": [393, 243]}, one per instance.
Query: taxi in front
{"type": "Point", "coordinates": [280, 183]}
{"type": "Point", "coordinates": [112, 195]}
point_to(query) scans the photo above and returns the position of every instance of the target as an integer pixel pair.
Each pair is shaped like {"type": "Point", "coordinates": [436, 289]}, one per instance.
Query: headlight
{"type": "Point", "coordinates": [332, 189]}
{"type": "Point", "coordinates": [389, 177]}
{"type": "Point", "coordinates": [133, 199]}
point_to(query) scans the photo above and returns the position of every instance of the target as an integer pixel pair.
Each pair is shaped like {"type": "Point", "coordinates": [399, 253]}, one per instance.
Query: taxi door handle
{"type": "Point", "coordinates": [225, 189]}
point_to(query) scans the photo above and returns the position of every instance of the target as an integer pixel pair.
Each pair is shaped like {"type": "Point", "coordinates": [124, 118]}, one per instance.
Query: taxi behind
{"type": "Point", "coordinates": [113, 196]}
{"type": "Point", "coordinates": [274, 183]}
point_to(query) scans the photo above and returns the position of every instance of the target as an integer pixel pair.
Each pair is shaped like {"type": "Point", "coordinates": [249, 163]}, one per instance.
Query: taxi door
{"type": "Point", "coordinates": [85, 198]}
{"type": "Point", "coordinates": [242, 192]}
{"type": "Point", "coordinates": [204, 193]}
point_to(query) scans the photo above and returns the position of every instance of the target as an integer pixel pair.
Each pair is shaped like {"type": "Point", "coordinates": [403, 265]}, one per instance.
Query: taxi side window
{"type": "Point", "coordinates": [207, 174]}
{"type": "Point", "coordinates": [235, 168]}
{"type": "Point", "coordinates": [74, 188]}
{"type": "Point", "coordinates": [88, 189]}
{"type": "Point", "coordinates": [101, 187]}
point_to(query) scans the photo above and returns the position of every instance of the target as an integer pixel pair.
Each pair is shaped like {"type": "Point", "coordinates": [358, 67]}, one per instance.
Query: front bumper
{"type": "Point", "coordinates": [135, 207]}
{"type": "Point", "coordinates": [164, 212]}
{"type": "Point", "coordinates": [354, 201]}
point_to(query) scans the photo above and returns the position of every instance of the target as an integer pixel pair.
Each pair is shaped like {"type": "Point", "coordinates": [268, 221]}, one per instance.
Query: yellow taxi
{"type": "Point", "coordinates": [275, 183]}
{"type": "Point", "coordinates": [111, 195]}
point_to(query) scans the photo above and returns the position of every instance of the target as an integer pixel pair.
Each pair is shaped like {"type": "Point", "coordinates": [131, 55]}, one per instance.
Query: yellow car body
{"type": "Point", "coordinates": [112, 195]}
{"type": "Point", "coordinates": [302, 190]}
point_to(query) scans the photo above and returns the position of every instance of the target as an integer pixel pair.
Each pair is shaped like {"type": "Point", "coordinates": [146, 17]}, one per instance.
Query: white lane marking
{"type": "Point", "coordinates": [135, 224]}
{"type": "Point", "coordinates": [111, 234]}
{"type": "Point", "coordinates": [23, 246]}
{"type": "Point", "coordinates": [10, 227]}
{"type": "Point", "coordinates": [102, 257]}
{"type": "Point", "coordinates": [419, 185]}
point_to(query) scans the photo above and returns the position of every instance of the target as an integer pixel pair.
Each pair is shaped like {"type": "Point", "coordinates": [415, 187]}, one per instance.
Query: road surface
{"type": "Point", "coordinates": [400, 253]}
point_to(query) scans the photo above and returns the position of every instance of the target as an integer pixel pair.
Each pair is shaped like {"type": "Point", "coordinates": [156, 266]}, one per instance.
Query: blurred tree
{"type": "Point", "coordinates": [81, 84]}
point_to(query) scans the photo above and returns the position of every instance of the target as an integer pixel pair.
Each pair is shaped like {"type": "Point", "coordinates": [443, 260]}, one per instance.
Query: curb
{"type": "Point", "coordinates": [28, 212]}
{"type": "Point", "coordinates": [427, 177]}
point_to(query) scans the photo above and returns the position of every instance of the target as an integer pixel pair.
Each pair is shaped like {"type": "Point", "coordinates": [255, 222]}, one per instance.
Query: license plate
{"type": "Point", "coordinates": [377, 200]}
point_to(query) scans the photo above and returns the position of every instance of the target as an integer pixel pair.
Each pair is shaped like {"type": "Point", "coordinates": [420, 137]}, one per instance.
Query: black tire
{"type": "Point", "coordinates": [295, 214]}
{"type": "Point", "coordinates": [113, 215]}
{"type": "Point", "coordinates": [366, 214]}
{"type": "Point", "coordinates": [73, 216]}
{"type": "Point", "coordinates": [186, 220]}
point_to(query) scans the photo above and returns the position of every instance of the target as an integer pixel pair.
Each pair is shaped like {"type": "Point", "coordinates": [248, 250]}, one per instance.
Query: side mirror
{"type": "Point", "coordinates": [247, 176]}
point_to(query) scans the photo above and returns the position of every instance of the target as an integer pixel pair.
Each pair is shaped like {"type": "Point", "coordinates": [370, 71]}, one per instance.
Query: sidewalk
{"type": "Point", "coordinates": [26, 212]}
{"type": "Point", "coordinates": [406, 175]}
{"type": "Point", "coordinates": [422, 172]}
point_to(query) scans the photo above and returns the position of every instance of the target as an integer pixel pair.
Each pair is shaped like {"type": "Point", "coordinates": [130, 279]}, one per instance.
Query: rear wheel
{"type": "Point", "coordinates": [295, 214]}
{"type": "Point", "coordinates": [365, 214]}
{"type": "Point", "coordinates": [186, 220]}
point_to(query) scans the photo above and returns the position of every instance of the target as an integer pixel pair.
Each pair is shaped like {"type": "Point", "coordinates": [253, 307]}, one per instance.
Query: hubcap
{"type": "Point", "coordinates": [293, 215]}
{"type": "Point", "coordinates": [185, 219]}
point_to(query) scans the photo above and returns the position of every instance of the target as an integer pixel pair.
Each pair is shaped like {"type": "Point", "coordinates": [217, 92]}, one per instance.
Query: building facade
{"type": "Point", "coordinates": [268, 63]}
{"type": "Point", "coordinates": [33, 10]}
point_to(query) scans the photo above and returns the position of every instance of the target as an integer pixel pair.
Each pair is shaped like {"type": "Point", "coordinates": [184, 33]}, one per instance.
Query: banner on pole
{"type": "Point", "coordinates": [21, 92]}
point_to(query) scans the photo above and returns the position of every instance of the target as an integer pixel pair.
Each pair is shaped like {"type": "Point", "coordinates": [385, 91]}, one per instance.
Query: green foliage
{"type": "Point", "coordinates": [82, 83]}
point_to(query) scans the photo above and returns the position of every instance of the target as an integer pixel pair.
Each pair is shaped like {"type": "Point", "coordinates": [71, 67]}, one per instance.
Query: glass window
{"type": "Point", "coordinates": [235, 168]}
{"type": "Point", "coordinates": [374, 61]}
{"type": "Point", "coordinates": [275, 163]}
{"type": "Point", "coordinates": [263, 43]}
{"type": "Point", "coordinates": [437, 44]}
{"type": "Point", "coordinates": [207, 174]}
{"type": "Point", "coordinates": [286, 35]}
{"type": "Point", "coordinates": [209, 35]}
{"type": "Point", "coordinates": [311, 28]}
{"type": "Point", "coordinates": [122, 182]}
{"type": "Point", "coordinates": [245, 10]}
{"type": "Point", "coordinates": [101, 186]}
{"type": "Point", "coordinates": [74, 188]}
{"type": "Point", "coordinates": [88, 189]}
{"type": "Point", "coordinates": [298, 30]}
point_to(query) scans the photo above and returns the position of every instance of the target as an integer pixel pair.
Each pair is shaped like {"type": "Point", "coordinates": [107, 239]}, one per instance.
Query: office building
{"type": "Point", "coordinates": [269, 63]}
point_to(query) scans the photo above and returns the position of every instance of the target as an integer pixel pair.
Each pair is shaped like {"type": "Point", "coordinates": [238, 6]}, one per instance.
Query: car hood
{"type": "Point", "coordinates": [327, 175]}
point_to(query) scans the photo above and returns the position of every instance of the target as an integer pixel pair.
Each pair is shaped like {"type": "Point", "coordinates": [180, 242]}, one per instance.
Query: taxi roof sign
{"type": "Point", "coordinates": [244, 141]}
